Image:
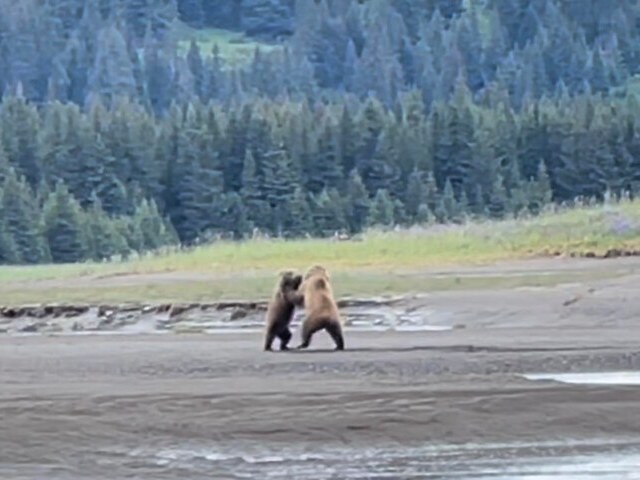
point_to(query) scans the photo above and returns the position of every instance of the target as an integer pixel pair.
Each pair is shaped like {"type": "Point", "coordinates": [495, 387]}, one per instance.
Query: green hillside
{"type": "Point", "coordinates": [235, 48]}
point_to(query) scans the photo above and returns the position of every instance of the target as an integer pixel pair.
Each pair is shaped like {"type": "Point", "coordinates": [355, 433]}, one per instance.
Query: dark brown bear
{"type": "Point", "coordinates": [321, 311]}
{"type": "Point", "coordinates": [280, 310]}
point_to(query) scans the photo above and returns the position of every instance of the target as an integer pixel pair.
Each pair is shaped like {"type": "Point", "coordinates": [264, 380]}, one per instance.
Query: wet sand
{"type": "Point", "coordinates": [215, 406]}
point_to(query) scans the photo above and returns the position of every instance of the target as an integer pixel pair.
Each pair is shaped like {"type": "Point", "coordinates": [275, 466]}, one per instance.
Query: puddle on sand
{"type": "Point", "coordinates": [601, 378]}
{"type": "Point", "coordinates": [366, 319]}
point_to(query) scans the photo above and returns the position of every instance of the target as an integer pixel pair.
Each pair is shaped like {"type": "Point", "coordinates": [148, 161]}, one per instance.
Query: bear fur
{"type": "Point", "coordinates": [280, 310]}
{"type": "Point", "coordinates": [321, 311]}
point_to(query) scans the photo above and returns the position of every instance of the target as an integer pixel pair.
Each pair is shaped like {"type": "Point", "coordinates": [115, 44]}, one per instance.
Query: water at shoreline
{"type": "Point", "coordinates": [597, 378]}
{"type": "Point", "coordinates": [571, 460]}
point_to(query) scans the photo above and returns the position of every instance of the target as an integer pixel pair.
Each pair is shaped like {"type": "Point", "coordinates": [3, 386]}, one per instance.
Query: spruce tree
{"type": "Point", "coordinates": [194, 195]}
{"type": "Point", "coordinates": [499, 202]}
{"type": "Point", "coordinates": [104, 240]}
{"type": "Point", "coordinates": [416, 194]}
{"type": "Point", "coordinates": [196, 65]}
{"type": "Point", "coordinates": [338, 208]}
{"type": "Point", "coordinates": [540, 190]}
{"type": "Point", "coordinates": [450, 205]}
{"type": "Point", "coordinates": [22, 220]}
{"type": "Point", "coordinates": [278, 186]}
{"type": "Point", "coordinates": [8, 250]}
{"type": "Point", "coordinates": [461, 130]}
{"type": "Point", "coordinates": [300, 222]}
{"type": "Point", "coordinates": [325, 170]}
{"type": "Point", "coordinates": [112, 75]}
{"type": "Point", "coordinates": [64, 228]}
{"type": "Point", "coordinates": [431, 191]}
{"type": "Point", "coordinates": [440, 211]}
{"type": "Point", "coordinates": [323, 215]}
{"type": "Point", "coordinates": [153, 228]}
{"type": "Point", "coordinates": [258, 211]}
{"type": "Point", "coordinates": [347, 140]}
{"type": "Point", "coordinates": [237, 131]}
{"type": "Point", "coordinates": [5, 166]}
{"type": "Point", "coordinates": [19, 125]}
{"type": "Point", "coordinates": [130, 231]}
{"type": "Point", "coordinates": [400, 213]}
{"type": "Point", "coordinates": [519, 200]}
{"type": "Point", "coordinates": [358, 202]}
{"type": "Point", "coordinates": [382, 210]}
{"type": "Point", "coordinates": [424, 215]}
{"type": "Point", "coordinates": [234, 218]}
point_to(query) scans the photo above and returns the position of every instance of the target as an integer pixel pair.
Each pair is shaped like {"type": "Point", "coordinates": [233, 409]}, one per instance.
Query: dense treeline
{"type": "Point", "coordinates": [380, 112]}
{"type": "Point", "coordinates": [292, 169]}
{"type": "Point", "coordinates": [73, 50]}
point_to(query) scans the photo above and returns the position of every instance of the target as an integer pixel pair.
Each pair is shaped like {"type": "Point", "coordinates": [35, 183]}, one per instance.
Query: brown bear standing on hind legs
{"type": "Point", "coordinates": [280, 310]}
{"type": "Point", "coordinates": [321, 311]}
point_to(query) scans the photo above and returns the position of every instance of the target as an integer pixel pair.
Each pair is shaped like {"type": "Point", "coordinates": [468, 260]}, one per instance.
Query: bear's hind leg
{"type": "Point", "coordinates": [335, 330]}
{"type": "Point", "coordinates": [285, 337]}
{"type": "Point", "coordinates": [307, 333]}
{"type": "Point", "coordinates": [268, 341]}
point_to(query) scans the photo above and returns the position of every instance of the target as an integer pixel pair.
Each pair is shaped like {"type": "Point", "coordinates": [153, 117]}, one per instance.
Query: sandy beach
{"type": "Point", "coordinates": [215, 406]}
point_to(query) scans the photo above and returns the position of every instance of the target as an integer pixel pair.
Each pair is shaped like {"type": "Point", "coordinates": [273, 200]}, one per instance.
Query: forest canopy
{"type": "Point", "coordinates": [128, 125]}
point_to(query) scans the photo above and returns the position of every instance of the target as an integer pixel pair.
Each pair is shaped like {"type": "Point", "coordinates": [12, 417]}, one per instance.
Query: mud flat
{"type": "Point", "coordinates": [395, 313]}
{"type": "Point", "coordinates": [447, 403]}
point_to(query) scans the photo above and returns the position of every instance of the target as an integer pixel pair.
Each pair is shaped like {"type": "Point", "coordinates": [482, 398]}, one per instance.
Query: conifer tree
{"type": "Point", "coordinates": [424, 215]}
{"type": "Point", "coordinates": [416, 194]}
{"type": "Point", "coordinates": [278, 186]}
{"type": "Point", "coordinates": [258, 211]}
{"type": "Point", "coordinates": [300, 222]}
{"type": "Point", "coordinates": [235, 216]}
{"type": "Point", "coordinates": [450, 204]}
{"type": "Point", "coordinates": [19, 124]}
{"type": "Point", "coordinates": [323, 214]}
{"type": "Point", "coordinates": [8, 250]}
{"type": "Point", "coordinates": [104, 240]}
{"type": "Point", "coordinates": [153, 228]}
{"type": "Point", "coordinates": [63, 227]}
{"type": "Point", "coordinates": [499, 202]}
{"type": "Point", "coordinates": [338, 208]}
{"type": "Point", "coordinates": [196, 65]}
{"type": "Point", "coordinates": [358, 202]}
{"type": "Point", "coordinates": [22, 220]}
{"type": "Point", "coordinates": [400, 213]}
{"type": "Point", "coordinates": [5, 166]}
{"type": "Point", "coordinates": [431, 193]}
{"type": "Point", "coordinates": [382, 210]}
{"type": "Point", "coordinates": [325, 171]}
{"type": "Point", "coordinates": [540, 189]}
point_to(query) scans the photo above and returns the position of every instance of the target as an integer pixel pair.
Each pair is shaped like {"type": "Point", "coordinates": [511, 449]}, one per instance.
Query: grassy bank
{"type": "Point", "coordinates": [376, 263]}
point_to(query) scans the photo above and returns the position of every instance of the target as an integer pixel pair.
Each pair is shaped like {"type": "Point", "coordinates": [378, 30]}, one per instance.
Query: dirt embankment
{"type": "Point", "coordinates": [593, 300]}
{"type": "Point", "coordinates": [184, 318]}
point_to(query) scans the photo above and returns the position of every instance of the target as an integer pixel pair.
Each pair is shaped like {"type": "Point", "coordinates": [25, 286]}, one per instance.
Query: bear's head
{"type": "Point", "coordinates": [317, 271]}
{"type": "Point", "coordinates": [289, 280]}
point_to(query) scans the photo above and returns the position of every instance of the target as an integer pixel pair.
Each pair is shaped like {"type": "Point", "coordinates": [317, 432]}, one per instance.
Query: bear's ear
{"type": "Point", "coordinates": [285, 273]}
{"type": "Point", "coordinates": [317, 270]}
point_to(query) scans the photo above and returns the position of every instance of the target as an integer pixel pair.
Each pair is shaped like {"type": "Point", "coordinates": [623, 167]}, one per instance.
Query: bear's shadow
{"type": "Point", "coordinates": [462, 348]}
{"type": "Point", "coordinates": [443, 348]}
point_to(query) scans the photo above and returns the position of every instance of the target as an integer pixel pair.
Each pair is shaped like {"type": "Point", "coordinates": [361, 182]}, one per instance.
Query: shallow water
{"type": "Point", "coordinates": [379, 319]}
{"type": "Point", "coordinates": [570, 460]}
{"type": "Point", "coordinates": [601, 378]}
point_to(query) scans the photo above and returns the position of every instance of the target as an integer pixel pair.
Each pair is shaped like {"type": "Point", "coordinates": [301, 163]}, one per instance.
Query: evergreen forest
{"type": "Point", "coordinates": [132, 125]}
